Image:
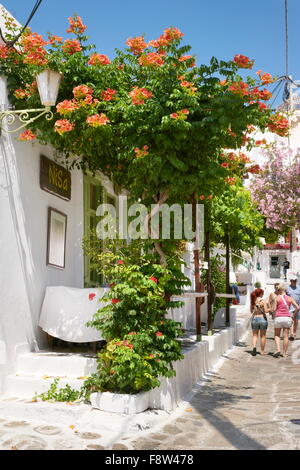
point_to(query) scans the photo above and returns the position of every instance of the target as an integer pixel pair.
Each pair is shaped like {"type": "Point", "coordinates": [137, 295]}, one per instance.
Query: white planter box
{"type": "Point", "coordinates": [120, 402]}
{"type": "Point", "coordinates": [220, 317]}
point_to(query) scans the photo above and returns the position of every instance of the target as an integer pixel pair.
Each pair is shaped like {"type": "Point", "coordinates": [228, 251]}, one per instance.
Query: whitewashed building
{"type": "Point", "coordinates": [26, 265]}
{"type": "Point", "coordinates": [270, 259]}
{"type": "Point", "coordinates": [45, 211]}
{"type": "Point", "coordinates": [46, 283]}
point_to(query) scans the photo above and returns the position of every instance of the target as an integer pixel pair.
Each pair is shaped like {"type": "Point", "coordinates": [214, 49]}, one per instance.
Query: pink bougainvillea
{"type": "Point", "coordinates": [276, 189]}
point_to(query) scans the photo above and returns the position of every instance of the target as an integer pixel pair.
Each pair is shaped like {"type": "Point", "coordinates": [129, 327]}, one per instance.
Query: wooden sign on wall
{"type": "Point", "coordinates": [55, 179]}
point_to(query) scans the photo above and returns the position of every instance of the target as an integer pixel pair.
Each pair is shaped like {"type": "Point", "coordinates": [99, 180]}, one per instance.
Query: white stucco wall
{"type": "Point", "coordinates": [3, 26]}
{"type": "Point", "coordinates": [24, 274]}
{"type": "Point", "coordinates": [293, 143]}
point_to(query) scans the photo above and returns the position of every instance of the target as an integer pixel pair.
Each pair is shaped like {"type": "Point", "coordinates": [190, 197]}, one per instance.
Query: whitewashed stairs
{"type": "Point", "coordinates": [36, 371]}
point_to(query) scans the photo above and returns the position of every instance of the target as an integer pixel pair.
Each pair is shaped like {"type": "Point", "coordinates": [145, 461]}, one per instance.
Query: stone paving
{"type": "Point", "coordinates": [248, 403]}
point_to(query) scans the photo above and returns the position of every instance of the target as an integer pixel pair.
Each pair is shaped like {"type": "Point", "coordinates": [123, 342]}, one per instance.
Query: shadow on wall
{"type": "Point", "coordinates": [11, 178]}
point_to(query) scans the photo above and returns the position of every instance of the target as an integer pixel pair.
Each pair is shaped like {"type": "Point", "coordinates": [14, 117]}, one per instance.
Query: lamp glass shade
{"type": "Point", "coordinates": [48, 84]}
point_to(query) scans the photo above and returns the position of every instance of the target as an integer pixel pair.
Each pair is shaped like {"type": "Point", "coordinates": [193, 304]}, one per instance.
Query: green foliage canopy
{"type": "Point", "coordinates": [149, 118]}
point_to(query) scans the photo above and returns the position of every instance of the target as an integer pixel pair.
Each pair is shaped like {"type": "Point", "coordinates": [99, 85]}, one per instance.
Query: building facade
{"type": "Point", "coordinates": [271, 258]}
{"type": "Point", "coordinates": [45, 212]}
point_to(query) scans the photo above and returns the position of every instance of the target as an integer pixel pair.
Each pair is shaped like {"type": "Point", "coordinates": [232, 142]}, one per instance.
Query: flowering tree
{"type": "Point", "coordinates": [153, 122]}
{"type": "Point", "coordinates": [147, 115]}
{"type": "Point", "coordinates": [233, 212]}
{"type": "Point", "coordinates": [150, 119]}
{"type": "Point", "coordinates": [276, 189]}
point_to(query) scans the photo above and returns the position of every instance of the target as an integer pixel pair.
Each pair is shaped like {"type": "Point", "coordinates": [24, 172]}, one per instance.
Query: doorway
{"type": "Point", "coordinates": [94, 194]}
{"type": "Point", "coordinates": [276, 263]}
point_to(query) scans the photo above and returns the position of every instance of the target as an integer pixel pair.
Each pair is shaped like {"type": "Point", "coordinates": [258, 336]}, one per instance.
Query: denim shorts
{"type": "Point", "coordinates": [259, 323]}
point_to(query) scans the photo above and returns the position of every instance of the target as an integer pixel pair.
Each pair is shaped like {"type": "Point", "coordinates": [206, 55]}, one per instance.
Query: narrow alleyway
{"type": "Point", "coordinates": [248, 403]}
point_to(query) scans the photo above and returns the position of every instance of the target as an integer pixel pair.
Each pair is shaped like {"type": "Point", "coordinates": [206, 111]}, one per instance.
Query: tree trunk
{"type": "Point", "coordinates": [208, 282]}
{"type": "Point", "coordinates": [161, 199]}
{"type": "Point", "coordinates": [228, 290]}
{"type": "Point", "coordinates": [199, 287]}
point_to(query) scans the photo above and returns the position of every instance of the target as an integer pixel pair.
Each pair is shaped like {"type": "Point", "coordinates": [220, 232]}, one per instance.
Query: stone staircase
{"type": "Point", "coordinates": [36, 371]}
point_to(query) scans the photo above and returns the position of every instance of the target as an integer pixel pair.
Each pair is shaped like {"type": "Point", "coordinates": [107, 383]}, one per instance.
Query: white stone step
{"type": "Point", "coordinates": [27, 386]}
{"type": "Point", "coordinates": [57, 364]}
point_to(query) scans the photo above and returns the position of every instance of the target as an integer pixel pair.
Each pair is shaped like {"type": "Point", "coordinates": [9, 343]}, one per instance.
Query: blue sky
{"type": "Point", "coordinates": [213, 27]}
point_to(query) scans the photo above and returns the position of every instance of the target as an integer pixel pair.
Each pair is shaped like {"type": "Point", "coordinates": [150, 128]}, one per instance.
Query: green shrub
{"type": "Point", "coordinates": [142, 342]}
{"type": "Point", "coordinates": [218, 279]}
{"type": "Point", "coordinates": [62, 394]}
{"type": "Point", "coordinates": [134, 364]}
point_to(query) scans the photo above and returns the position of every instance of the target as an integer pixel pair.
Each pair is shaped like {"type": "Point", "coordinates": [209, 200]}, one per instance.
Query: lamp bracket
{"type": "Point", "coordinates": [24, 115]}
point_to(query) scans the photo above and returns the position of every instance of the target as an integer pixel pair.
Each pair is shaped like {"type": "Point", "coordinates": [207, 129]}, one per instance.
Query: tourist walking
{"type": "Point", "coordinates": [293, 291]}
{"type": "Point", "coordinates": [271, 300]}
{"type": "Point", "coordinates": [259, 322]}
{"type": "Point", "coordinates": [286, 266]}
{"type": "Point", "coordinates": [283, 319]}
{"type": "Point", "coordinates": [234, 287]}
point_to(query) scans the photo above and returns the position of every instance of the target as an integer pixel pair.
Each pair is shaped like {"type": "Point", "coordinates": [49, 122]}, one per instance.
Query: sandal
{"type": "Point", "coordinates": [277, 354]}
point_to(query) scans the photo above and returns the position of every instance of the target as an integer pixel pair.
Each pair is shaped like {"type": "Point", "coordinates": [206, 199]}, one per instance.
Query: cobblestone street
{"type": "Point", "coordinates": [249, 403]}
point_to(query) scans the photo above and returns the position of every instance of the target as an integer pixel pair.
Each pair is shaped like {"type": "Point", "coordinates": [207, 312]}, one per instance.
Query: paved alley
{"type": "Point", "coordinates": [249, 403]}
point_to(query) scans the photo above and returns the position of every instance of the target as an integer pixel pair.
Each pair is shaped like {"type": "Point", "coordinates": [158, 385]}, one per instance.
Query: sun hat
{"type": "Point", "coordinates": [293, 277]}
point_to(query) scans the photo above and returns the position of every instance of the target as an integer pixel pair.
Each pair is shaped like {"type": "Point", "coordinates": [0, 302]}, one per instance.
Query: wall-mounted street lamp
{"type": "Point", "coordinates": [48, 83]}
